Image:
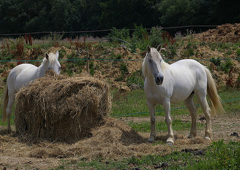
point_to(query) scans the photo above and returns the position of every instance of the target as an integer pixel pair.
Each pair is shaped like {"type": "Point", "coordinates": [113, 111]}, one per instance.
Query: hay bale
{"type": "Point", "coordinates": [60, 108]}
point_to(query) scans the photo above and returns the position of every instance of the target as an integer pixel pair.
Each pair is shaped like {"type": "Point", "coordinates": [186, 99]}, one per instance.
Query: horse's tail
{"type": "Point", "coordinates": [213, 94]}
{"type": "Point", "coordinates": [5, 103]}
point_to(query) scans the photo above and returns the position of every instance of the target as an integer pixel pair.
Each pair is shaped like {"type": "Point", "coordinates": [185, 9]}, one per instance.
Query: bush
{"type": "Point", "coordinates": [238, 52]}
{"type": "Point", "coordinates": [156, 36]}
{"type": "Point", "coordinates": [123, 68]}
{"type": "Point", "coordinates": [122, 34]}
{"type": "Point", "coordinates": [216, 62]}
{"type": "Point", "coordinates": [227, 66]}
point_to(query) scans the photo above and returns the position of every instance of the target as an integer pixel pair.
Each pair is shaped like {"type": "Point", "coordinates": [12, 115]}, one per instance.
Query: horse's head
{"type": "Point", "coordinates": [155, 63]}
{"type": "Point", "coordinates": [53, 63]}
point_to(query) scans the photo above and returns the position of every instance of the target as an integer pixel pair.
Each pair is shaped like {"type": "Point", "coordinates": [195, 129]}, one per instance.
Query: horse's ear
{"type": "Point", "coordinates": [148, 49]}
{"type": "Point", "coordinates": [57, 54]}
{"type": "Point", "coordinates": [47, 57]}
{"type": "Point", "coordinates": [159, 48]}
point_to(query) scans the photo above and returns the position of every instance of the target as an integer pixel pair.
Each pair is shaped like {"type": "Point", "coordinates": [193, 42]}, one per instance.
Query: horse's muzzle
{"type": "Point", "coordinates": [159, 80]}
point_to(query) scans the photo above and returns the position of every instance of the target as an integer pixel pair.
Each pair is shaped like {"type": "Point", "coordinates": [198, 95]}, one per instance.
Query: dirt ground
{"type": "Point", "coordinates": [114, 140]}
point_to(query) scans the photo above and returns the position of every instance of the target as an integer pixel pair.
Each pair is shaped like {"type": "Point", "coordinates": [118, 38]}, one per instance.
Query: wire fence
{"type": "Point", "coordinates": [109, 59]}
{"type": "Point", "coordinates": [106, 30]}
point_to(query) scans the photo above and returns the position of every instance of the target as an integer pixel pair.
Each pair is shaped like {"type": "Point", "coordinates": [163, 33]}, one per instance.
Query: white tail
{"type": "Point", "coordinates": [5, 103]}
{"type": "Point", "coordinates": [213, 94]}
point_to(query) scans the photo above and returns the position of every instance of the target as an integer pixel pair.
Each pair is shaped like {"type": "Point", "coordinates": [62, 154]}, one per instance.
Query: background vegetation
{"type": "Point", "coordinates": [20, 16]}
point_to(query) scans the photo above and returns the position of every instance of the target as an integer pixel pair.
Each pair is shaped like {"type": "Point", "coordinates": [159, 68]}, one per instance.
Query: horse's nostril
{"type": "Point", "coordinates": [160, 78]}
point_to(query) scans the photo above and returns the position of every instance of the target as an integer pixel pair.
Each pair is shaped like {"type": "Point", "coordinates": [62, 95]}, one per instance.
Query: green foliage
{"type": "Point", "coordinates": [123, 68]}
{"type": "Point", "coordinates": [139, 33]}
{"type": "Point", "coordinates": [156, 36]}
{"type": "Point", "coordinates": [227, 66]}
{"type": "Point", "coordinates": [23, 16]}
{"type": "Point", "coordinates": [223, 156]}
{"type": "Point", "coordinates": [219, 155]}
{"type": "Point", "coordinates": [62, 52]}
{"type": "Point", "coordinates": [119, 34]}
{"type": "Point", "coordinates": [238, 52]}
{"type": "Point", "coordinates": [136, 78]}
{"type": "Point", "coordinates": [216, 62]}
{"type": "Point", "coordinates": [229, 52]}
{"type": "Point", "coordinates": [91, 68]}
{"type": "Point", "coordinates": [74, 66]}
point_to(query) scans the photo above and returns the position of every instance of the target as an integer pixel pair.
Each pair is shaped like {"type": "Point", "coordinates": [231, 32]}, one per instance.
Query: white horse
{"type": "Point", "coordinates": [22, 75]}
{"type": "Point", "coordinates": [165, 84]}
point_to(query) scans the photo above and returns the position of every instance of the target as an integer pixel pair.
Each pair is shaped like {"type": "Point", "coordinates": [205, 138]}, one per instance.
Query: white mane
{"type": "Point", "coordinates": [52, 59]}
{"type": "Point", "coordinates": [164, 65]}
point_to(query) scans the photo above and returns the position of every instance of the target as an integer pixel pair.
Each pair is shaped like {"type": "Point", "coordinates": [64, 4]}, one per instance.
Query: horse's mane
{"type": "Point", "coordinates": [164, 66]}
{"type": "Point", "coordinates": [51, 59]}
{"type": "Point", "coordinates": [144, 67]}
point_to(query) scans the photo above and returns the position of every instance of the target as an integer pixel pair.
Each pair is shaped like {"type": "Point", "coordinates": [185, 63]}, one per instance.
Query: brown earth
{"type": "Point", "coordinates": [223, 33]}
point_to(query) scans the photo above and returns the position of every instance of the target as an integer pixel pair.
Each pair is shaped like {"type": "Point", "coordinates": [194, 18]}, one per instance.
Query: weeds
{"type": "Point", "coordinates": [216, 62]}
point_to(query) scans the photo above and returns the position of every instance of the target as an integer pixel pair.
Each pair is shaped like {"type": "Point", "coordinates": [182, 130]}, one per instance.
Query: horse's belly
{"type": "Point", "coordinates": [180, 96]}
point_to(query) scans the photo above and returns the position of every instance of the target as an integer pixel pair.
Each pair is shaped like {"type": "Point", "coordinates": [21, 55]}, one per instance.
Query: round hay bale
{"type": "Point", "coordinates": [60, 108]}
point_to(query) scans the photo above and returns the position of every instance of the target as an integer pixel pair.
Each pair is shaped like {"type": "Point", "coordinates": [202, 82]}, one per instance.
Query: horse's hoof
{"type": "Point", "coordinates": [151, 139]}
{"type": "Point", "coordinates": [190, 137]}
{"type": "Point", "coordinates": [169, 143]}
{"type": "Point", "coordinates": [206, 137]}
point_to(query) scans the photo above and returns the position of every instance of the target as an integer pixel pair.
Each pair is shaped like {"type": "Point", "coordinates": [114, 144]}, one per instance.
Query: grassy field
{"type": "Point", "coordinates": [133, 104]}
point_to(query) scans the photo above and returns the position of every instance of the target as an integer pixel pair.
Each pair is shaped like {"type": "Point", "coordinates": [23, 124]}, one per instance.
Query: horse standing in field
{"type": "Point", "coordinates": [22, 75]}
{"type": "Point", "coordinates": [165, 84]}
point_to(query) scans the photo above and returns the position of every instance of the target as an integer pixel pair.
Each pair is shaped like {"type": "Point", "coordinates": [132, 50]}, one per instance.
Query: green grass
{"type": "Point", "coordinates": [161, 126]}
{"type": "Point", "coordinates": [219, 155]}
{"type": "Point", "coordinates": [133, 104]}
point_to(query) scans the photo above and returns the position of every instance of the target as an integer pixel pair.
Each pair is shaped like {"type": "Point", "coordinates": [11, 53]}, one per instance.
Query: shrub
{"type": "Point", "coordinates": [156, 36]}
{"type": "Point", "coordinates": [119, 34]}
{"type": "Point", "coordinates": [123, 68]}
{"type": "Point", "coordinates": [238, 52]}
{"type": "Point", "coordinates": [62, 52]}
{"type": "Point", "coordinates": [216, 62]}
{"type": "Point", "coordinates": [227, 66]}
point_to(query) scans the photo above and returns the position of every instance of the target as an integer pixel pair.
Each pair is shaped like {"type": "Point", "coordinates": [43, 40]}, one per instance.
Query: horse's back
{"type": "Point", "coordinates": [21, 75]}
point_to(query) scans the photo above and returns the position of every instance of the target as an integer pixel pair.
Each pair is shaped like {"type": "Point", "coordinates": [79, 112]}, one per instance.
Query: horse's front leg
{"type": "Point", "coordinates": [152, 120]}
{"type": "Point", "coordinates": [168, 120]}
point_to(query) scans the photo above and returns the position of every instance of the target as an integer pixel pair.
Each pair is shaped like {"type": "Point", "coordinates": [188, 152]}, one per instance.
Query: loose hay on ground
{"type": "Point", "coordinates": [60, 108]}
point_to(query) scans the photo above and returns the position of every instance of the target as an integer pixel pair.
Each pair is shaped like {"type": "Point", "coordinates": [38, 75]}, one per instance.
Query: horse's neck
{"type": "Point", "coordinates": [42, 69]}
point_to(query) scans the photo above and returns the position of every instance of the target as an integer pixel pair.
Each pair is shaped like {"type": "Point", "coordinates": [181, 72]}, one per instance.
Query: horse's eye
{"type": "Point", "coordinates": [150, 60]}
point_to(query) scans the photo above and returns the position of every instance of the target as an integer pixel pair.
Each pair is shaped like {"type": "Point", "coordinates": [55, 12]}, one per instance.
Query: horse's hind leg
{"type": "Point", "coordinates": [11, 100]}
{"type": "Point", "coordinates": [193, 112]}
{"type": "Point", "coordinates": [207, 112]}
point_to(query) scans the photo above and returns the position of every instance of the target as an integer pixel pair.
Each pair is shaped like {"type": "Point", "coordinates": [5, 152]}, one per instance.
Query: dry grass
{"type": "Point", "coordinates": [59, 108]}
